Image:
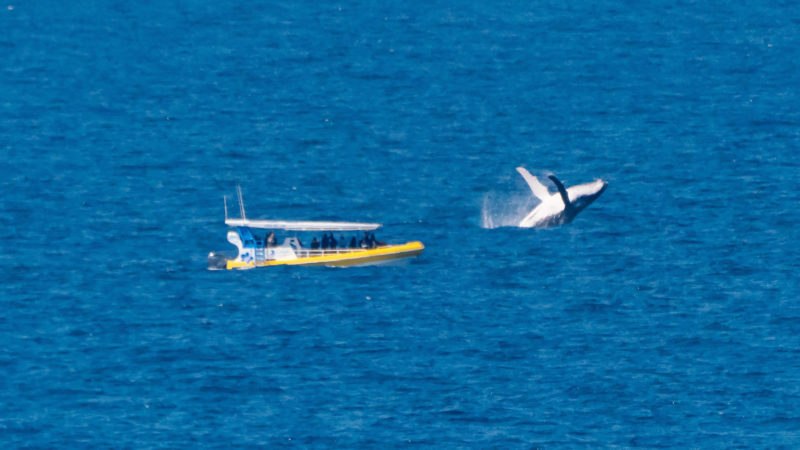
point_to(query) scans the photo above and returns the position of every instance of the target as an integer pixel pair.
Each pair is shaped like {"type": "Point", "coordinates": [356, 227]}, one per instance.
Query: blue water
{"type": "Point", "coordinates": [666, 315]}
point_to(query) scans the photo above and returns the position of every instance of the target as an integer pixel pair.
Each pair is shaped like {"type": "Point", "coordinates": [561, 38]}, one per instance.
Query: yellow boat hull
{"type": "Point", "coordinates": [349, 258]}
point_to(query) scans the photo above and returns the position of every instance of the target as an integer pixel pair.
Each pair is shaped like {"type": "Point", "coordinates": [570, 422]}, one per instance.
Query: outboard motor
{"type": "Point", "coordinates": [217, 261]}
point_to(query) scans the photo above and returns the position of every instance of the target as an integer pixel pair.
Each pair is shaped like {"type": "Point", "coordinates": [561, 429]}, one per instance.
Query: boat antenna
{"type": "Point", "coordinates": [241, 202]}
{"type": "Point", "coordinates": [225, 202]}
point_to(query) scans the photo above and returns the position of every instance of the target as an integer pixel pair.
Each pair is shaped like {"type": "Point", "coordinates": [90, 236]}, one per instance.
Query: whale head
{"type": "Point", "coordinates": [583, 195]}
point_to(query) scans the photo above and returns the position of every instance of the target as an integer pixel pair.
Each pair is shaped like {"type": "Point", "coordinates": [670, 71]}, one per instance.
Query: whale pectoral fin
{"type": "Point", "coordinates": [538, 189]}
{"type": "Point", "coordinates": [561, 190]}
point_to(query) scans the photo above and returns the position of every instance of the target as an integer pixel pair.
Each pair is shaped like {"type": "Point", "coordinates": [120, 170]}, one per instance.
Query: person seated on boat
{"type": "Point", "coordinates": [364, 242]}
{"type": "Point", "coordinates": [314, 244]}
{"type": "Point", "coordinates": [332, 241]}
{"type": "Point", "coordinates": [325, 241]}
{"type": "Point", "coordinates": [372, 241]}
{"type": "Point", "coordinates": [353, 242]}
{"type": "Point", "coordinates": [269, 240]}
{"type": "Point", "coordinates": [342, 241]}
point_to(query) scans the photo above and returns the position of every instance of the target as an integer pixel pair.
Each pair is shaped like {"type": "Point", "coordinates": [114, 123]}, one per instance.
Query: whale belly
{"type": "Point", "coordinates": [548, 213]}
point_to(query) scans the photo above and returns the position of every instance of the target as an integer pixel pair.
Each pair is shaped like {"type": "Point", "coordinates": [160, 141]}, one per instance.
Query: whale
{"type": "Point", "coordinates": [559, 208]}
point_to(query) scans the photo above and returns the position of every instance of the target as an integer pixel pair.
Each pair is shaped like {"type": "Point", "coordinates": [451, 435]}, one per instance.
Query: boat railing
{"type": "Point", "coordinates": [307, 253]}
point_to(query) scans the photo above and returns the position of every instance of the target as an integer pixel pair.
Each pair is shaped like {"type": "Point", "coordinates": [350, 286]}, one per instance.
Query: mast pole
{"type": "Point", "coordinates": [241, 202]}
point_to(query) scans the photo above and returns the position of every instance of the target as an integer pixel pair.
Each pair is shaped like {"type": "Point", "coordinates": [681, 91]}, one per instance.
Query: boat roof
{"type": "Point", "coordinates": [292, 225]}
{"type": "Point", "coordinates": [302, 225]}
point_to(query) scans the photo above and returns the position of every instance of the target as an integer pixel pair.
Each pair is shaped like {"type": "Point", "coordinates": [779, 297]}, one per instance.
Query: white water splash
{"type": "Point", "coordinates": [505, 210]}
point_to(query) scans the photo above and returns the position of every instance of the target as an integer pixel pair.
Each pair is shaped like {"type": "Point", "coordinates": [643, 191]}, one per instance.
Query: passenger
{"type": "Point", "coordinates": [325, 241]}
{"type": "Point", "coordinates": [314, 244]}
{"type": "Point", "coordinates": [364, 242]}
{"type": "Point", "coordinates": [332, 241]}
{"type": "Point", "coordinates": [372, 240]}
{"type": "Point", "coordinates": [353, 242]}
{"type": "Point", "coordinates": [269, 240]}
{"type": "Point", "coordinates": [342, 241]}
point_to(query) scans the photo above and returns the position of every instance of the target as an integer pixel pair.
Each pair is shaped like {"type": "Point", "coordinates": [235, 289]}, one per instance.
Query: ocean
{"type": "Point", "coordinates": [667, 314]}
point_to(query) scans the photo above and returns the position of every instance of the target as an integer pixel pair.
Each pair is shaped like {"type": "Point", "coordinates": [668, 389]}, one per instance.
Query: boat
{"type": "Point", "coordinates": [254, 251]}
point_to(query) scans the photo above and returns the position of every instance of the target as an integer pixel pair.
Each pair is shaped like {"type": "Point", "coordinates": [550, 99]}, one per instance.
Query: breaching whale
{"type": "Point", "coordinates": [560, 208]}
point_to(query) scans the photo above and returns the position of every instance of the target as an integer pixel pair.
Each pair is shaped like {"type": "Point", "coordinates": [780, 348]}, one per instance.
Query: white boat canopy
{"type": "Point", "coordinates": [302, 225]}
{"type": "Point", "coordinates": [289, 224]}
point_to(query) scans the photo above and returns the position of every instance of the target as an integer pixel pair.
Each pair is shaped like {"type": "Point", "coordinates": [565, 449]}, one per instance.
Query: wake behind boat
{"type": "Point", "coordinates": [254, 251]}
